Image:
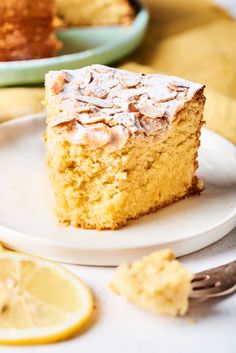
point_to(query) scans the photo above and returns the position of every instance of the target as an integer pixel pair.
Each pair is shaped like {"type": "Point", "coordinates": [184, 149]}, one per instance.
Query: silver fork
{"type": "Point", "coordinates": [215, 282]}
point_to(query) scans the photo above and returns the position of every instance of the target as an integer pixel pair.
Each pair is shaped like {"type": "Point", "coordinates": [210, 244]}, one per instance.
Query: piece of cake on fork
{"type": "Point", "coordinates": [120, 144]}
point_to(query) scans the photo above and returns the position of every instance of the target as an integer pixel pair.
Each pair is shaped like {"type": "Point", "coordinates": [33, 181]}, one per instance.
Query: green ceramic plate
{"type": "Point", "coordinates": [82, 46]}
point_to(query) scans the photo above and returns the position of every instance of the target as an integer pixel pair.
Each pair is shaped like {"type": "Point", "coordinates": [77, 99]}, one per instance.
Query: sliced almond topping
{"type": "Point", "coordinates": [128, 95]}
{"type": "Point", "coordinates": [60, 119]}
{"type": "Point", "coordinates": [132, 108]}
{"type": "Point", "coordinates": [99, 135]}
{"type": "Point", "coordinates": [100, 68]}
{"type": "Point", "coordinates": [83, 108]}
{"type": "Point", "coordinates": [161, 94]}
{"type": "Point", "coordinates": [98, 102]}
{"type": "Point", "coordinates": [134, 98]}
{"type": "Point", "coordinates": [129, 120]}
{"type": "Point", "coordinates": [150, 111]}
{"type": "Point", "coordinates": [89, 118]}
{"type": "Point", "coordinates": [110, 80]}
{"type": "Point", "coordinates": [96, 89]}
{"type": "Point", "coordinates": [84, 78]}
{"type": "Point", "coordinates": [128, 79]}
{"type": "Point", "coordinates": [92, 136]}
{"type": "Point", "coordinates": [62, 78]}
{"type": "Point", "coordinates": [176, 87]}
{"type": "Point", "coordinates": [119, 137]}
{"type": "Point", "coordinates": [152, 126]}
{"type": "Point", "coordinates": [112, 111]}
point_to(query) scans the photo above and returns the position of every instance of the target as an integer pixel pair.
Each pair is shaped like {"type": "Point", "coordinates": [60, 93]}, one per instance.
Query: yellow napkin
{"type": "Point", "coordinates": [205, 54]}
{"type": "Point", "coordinates": [220, 114]}
{"type": "Point", "coordinates": [16, 102]}
{"type": "Point", "coordinates": [171, 17]}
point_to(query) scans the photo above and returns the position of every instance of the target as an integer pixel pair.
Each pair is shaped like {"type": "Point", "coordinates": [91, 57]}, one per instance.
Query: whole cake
{"type": "Point", "coordinates": [96, 12]}
{"type": "Point", "coordinates": [120, 144]}
{"type": "Point", "coordinates": [27, 30]}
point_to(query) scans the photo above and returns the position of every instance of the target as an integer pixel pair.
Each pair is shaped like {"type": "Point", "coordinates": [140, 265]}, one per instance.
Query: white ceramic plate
{"type": "Point", "coordinates": [27, 222]}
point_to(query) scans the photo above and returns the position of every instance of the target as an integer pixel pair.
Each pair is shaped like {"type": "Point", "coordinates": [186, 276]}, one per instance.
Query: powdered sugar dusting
{"type": "Point", "coordinates": [104, 98]}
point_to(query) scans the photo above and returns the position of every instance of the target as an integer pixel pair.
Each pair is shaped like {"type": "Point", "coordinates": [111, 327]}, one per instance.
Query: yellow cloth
{"type": "Point", "coordinates": [171, 17]}
{"type": "Point", "coordinates": [15, 102]}
{"type": "Point", "coordinates": [205, 54]}
{"type": "Point", "coordinates": [194, 39]}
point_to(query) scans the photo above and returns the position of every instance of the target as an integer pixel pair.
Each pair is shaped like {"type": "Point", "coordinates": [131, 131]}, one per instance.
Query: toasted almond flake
{"type": "Point", "coordinates": [176, 87]}
{"type": "Point", "coordinates": [101, 103]}
{"type": "Point", "coordinates": [101, 68]}
{"type": "Point", "coordinates": [84, 78]}
{"type": "Point", "coordinates": [112, 111]}
{"type": "Point", "coordinates": [84, 108]}
{"type": "Point", "coordinates": [161, 94]}
{"type": "Point", "coordinates": [128, 79]}
{"type": "Point", "coordinates": [132, 108]}
{"type": "Point", "coordinates": [58, 84]}
{"type": "Point", "coordinates": [129, 120]}
{"type": "Point", "coordinates": [151, 111]}
{"type": "Point", "coordinates": [119, 137]}
{"type": "Point", "coordinates": [109, 80]}
{"type": "Point", "coordinates": [133, 98]}
{"type": "Point", "coordinates": [129, 94]}
{"type": "Point", "coordinates": [153, 126]}
{"type": "Point", "coordinates": [89, 118]}
{"type": "Point", "coordinates": [92, 136]}
{"type": "Point", "coordinates": [60, 119]}
{"type": "Point", "coordinates": [96, 89]}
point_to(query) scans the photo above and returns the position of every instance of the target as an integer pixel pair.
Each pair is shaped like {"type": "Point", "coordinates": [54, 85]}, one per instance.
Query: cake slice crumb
{"type": "Point", "coordinates": [157, 282]}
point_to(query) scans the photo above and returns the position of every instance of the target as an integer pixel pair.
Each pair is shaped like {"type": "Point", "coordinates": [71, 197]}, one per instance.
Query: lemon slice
{"type": "Point", "coordinates": [40, 301]}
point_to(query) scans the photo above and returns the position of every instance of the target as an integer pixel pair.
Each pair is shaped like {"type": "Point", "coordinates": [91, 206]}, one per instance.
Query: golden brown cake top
{"type": "Point", "coordinates": [110, 104]}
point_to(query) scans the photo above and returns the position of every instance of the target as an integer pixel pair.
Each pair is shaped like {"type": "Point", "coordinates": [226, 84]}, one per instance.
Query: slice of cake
{"type": "Point", "coordinates": [120, 144]}
{"type": "Point", "coordinates": [96, 12]}
{"type": "Point", "coordinates": [157, 282]}
{"type": "Point", "coordinates": [27, 30]}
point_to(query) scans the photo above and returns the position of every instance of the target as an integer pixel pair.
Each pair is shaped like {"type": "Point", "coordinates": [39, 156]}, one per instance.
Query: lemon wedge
{"type": "Point", "coordinates": [40, 301]}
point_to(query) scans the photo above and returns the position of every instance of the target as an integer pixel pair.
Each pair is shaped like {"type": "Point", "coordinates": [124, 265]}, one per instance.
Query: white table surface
{"type": "Point", "coordinates": [120, 327]}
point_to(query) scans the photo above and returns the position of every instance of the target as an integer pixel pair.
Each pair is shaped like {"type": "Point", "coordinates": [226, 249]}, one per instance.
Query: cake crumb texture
{"type": "Point", "coordinates": [158, 283]}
